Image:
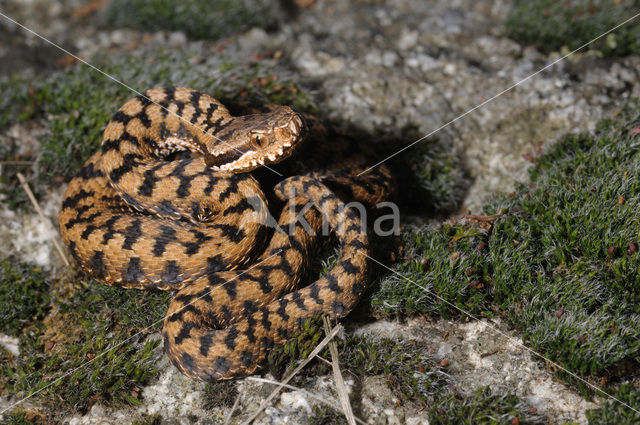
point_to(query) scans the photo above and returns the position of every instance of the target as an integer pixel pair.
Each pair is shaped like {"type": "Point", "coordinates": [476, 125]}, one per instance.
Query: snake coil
{"type": "Point", "coordinates": [169, 203]}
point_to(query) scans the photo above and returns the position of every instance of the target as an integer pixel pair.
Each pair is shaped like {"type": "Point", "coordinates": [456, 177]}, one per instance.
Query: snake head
{"type": "Point", "coordinates": [252, 141]}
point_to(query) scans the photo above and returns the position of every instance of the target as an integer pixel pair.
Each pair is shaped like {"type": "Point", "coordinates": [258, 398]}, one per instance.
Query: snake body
{"type": "Point", "coordinates": [169, 203]}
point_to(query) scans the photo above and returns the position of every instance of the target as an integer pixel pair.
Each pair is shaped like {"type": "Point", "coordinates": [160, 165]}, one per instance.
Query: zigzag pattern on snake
{"type": "Point", "coordinates": [169, 202]}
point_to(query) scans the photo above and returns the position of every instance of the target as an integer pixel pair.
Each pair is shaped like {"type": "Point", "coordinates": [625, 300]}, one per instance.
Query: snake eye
{"type": "Point", "coordinates": [258, 141]}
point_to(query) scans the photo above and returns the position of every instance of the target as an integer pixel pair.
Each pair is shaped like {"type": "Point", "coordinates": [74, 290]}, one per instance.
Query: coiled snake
{"type": "Point", "coordinates": [169, 203]}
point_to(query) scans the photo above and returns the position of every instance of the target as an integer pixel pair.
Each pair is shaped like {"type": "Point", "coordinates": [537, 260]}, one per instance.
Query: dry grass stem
{"type": "Point", "coordinates": [47, 223]}
{"type": "Point", "coordinates": [343, 395]}
{"type": "Point", "coordinates": [302, 364]}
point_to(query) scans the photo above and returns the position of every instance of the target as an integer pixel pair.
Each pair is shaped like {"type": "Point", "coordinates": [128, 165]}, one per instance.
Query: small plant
{"type": "Point", "coordinates": [411, 372]}
{"type": "Point", "coordinates": [483, 407]}
{"type": "Point", "coordinates": [199, 19]}
{"type": "Point", "coordinates": [94, 347]}
{"type": "Point", "coordinates": [613, 412]}
{"type": "Point", "coordinates": [559, 258]}
{"type": "Point", "coordinates": [24, 296]}
{"type": "Point", "coordinates": [551, 25]}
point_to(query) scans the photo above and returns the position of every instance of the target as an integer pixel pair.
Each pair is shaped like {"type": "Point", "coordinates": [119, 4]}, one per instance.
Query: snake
{"type": "Point", "coordinates": [176, 199]}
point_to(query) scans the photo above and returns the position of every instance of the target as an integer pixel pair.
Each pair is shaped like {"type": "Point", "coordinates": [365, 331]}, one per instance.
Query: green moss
{"type": "Point", "coordinates": [15, 91]}
{"type": "Point", "coordinates": [284, 358]}
{"type": "Point", "coordinates": [17, 417]}
{"type": "Point", "coordinates": [483, 407]}
{"type": "Point", "coordinates": [410, 370]}
{"type": "Point", "coordinates": [26, 416]}
{"type": "Point", "coordinates": [551, 25]}
{"type": "Point", "coordinates": [149, 420]}
{"type": "Point", "coordinates": [12, 194]}
{"type": "Point", "coordinates": [321, 415]}
{"type": "Point", "coordinates": [78, 103]}
{"type": "Point", "coordinates": [96, 343]}
{"type": "Point", "coordinates": [220, 394]}
{"type": "Point", "coordinates": [561, 261]}
{"type": "Point", "coordinates": [437, 178]}
{"type": "Point", "coordinates": [199, 19]}
{"type": "Point", "coordinates": [614, 413]}
{"type": "Point", "coordinates": [450, 261]}
{"type": "Point", "coordinates": [329, 255]}
{"type": "Point", "coordinates": [413, 375]}
{"type": "Point", "coordinates": [24, 296]}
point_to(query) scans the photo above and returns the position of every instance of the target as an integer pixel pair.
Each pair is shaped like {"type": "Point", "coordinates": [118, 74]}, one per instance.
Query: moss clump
{"type": "Point", "coordinates": [568, 242]}
{"type": "Point", "coordinates": [551, 25]}
{"type": "Point", "coordinates": [450, 261]}
{"type": "Point", "coordinates": [199, 19]}
{"type": "Point", "coordinates": [149, 420]}
{"type": "Point", "coordinates": [78, 103]}
{"type": "Point", "coordinates": [26, 417]}
{"type": "Point", "coordinates": [16, 92]}
{"type": "Point", "coordinates": [96, 343]}
{"type": "Point", "coordinates": [283, 358]}
{"type": "Point", "coordinates": [321, 415]}
{"type": "Point", "coordinates": [414, 375]}
{"type": "Point", "coordinates": [24, 296]}
{"type": "Point", "coordinates": [614, 413]}
{"type": "Point", "coordinates": [410, 370]}
{"type": "Point", "coordinates": [220, 394]}
{"type": "Point", "coordinates": [17, 417]}
{"type": "Point", "coordinates": [437, 177]}
{"type": "Point", "coordinates": [483, 407]}
{"type": "Point", "coordinates": [560, 260]}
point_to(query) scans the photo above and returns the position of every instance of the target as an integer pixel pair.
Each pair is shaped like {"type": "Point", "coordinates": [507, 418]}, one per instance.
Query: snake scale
{"type": "Point", "coordinates": [169, 202]}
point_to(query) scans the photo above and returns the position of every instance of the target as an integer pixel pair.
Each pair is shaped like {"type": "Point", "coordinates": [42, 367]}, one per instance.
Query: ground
{"type": "Point", "coordinates": [511, 295]}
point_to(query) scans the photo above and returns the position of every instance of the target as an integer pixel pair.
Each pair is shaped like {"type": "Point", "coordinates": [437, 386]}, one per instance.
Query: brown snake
{"type": "Point", "coordinates": [169, 203]}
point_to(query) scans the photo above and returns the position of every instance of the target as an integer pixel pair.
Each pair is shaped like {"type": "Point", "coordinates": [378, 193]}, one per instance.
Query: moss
{"type": "Point", "coordinates": [560, 260]}
{"type": "Point", "coordinates": [24, 296]}
{"type": "Point", "coordinates": [6, 358]}
{"type": "Point", "coordinates": [96, 343]}
{"type": "Point", "coordinates": [26, 417]}
{"type": "Point", "coordinates": [328, 255]}
{"type": "Point", "coordinates": [15, 91]}
{"type": "Point", "coordinates": [411, 372]}
{"type": "Point", "coordinates": [149, 420]}
{"type": "Point", "coordinates": [483, 407]}
{"type": "Point", "coordinates": [551, 25]}
{"type": "Point", "coordinates": [614, 413]}
{"type": "Point", "coordinates": [284, 358]}
{"type": "Point", "coordinates": [17, 417]}
{"type": "Point", "coordinates": [220, 394]}
{"type": "Point", "coordinates": [199, 19]}
{"type": "Point", "coordinates": [13, 195]}
{"type": "Point", "coordinates": [78, 103]}
{"type": "Point", "coordinates": [413, 375]}
{"type": "Point", "coordinates": [321, 415]}
{"type": "Point", "coordinates": [437, 179]}
{"type": "Point", "coordinates": [450, 261]}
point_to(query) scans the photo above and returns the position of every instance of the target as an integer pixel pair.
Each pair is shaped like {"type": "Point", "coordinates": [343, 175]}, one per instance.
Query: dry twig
{"type": "Point", "coordinates": [227, 419]}
{"type": "Point", "coordinates": [330, 403]}
{"type": "Point", "coordinates": [337, 375]}
{"type": "Point", "coordinates": [47, 223]}
{"type": "Point", "coordinates": [285, 381]}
